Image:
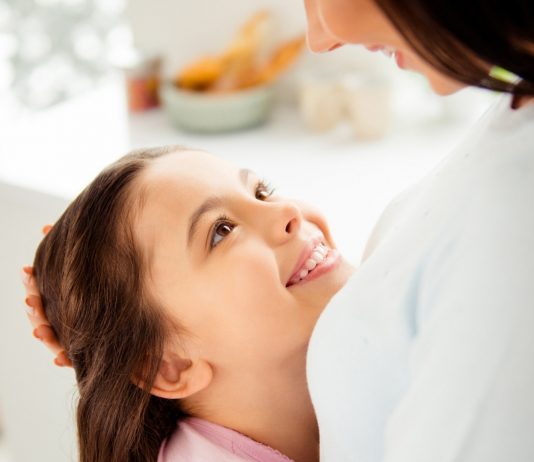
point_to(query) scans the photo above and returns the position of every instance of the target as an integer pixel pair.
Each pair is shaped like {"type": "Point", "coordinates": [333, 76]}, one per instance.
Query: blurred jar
{"type": "Point", "coordinates": [362, 98]}
{"type": "Point", "coordinates": [320, 102]}
{"type": "Point", "coordinates": [142, 73]}
{"type": "Point", "coordinates": [368, 102]}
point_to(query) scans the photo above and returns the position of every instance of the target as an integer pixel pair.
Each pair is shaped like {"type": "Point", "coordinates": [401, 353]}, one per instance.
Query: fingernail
{"type": "Point", "coordinates": [29, 308]}
{"type": "Point", "coordinates": [36, 334]}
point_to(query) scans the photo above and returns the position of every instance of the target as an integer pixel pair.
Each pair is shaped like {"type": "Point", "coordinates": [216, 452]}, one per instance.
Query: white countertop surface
{"type": "Point", "coordinates": [60, 150]}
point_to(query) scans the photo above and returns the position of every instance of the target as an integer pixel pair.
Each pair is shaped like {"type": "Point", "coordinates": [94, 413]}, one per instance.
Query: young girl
{"type": "Point", "coordinates": [184, 291]}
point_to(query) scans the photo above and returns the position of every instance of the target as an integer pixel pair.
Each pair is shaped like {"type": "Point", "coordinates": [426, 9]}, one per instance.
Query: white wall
{"type": "Point", "coordinates": [36, 397]}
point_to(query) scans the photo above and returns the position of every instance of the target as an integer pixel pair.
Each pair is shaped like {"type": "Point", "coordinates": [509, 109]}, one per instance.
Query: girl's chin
{"type": "Point", "coordinates": [344, 272]}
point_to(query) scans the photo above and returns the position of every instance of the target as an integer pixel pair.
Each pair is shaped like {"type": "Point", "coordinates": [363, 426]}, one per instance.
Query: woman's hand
{"type": "Point", "coordinates": [42, 329]}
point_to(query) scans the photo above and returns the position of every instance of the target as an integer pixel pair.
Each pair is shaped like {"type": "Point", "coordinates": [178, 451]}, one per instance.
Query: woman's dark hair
{"type": "Point", "coordinates": [461, 39]}
{"type": "Point", "coordinates": [90, 273]}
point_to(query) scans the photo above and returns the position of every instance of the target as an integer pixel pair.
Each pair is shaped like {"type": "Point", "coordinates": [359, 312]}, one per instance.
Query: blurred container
{"type": "Point", "coordinates": [217, 112]}
{"type": "Point", "coordinates": [320, 102]}
{"type": "Point", "coordinates": [368, 101]}
{"type": "Point", "coordinates": [361, 97]}
{"type": "Point", "coordinates": [142, 76]}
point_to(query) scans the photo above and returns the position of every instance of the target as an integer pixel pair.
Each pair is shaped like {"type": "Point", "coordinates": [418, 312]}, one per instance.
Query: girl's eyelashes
{"type": "Point", "coordinates": [263, 190]}
{"type": "Point", "coordinates": [224, 225]}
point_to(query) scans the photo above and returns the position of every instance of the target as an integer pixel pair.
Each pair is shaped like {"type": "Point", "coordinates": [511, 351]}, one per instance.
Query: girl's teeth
{"type": "Point", "coordinates": [317, 256]}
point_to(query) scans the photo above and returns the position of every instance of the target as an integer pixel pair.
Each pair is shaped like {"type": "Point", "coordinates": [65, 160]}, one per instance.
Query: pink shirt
{"type": "Point", "coordinates": [197, 440]}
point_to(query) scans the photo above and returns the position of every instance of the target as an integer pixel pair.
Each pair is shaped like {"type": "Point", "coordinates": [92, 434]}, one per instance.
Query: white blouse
{"type": "Point", "coordinates": [427, 354]}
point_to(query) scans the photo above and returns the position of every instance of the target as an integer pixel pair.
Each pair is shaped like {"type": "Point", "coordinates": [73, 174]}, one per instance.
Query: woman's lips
{"type": "Point", "coordinates": [399, 57]}
{"type": "Point", "coordinates": [389, 52]}
{"type": "Point", "coordinates": [334, 47]}
{"type": "Point", "coordinates": [374, 47]}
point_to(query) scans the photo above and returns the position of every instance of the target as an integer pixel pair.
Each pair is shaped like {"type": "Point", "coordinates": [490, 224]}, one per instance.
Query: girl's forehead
{"type": "Point", "coordinates": [187, 169]}
{"type": "Point", "coordinates": [179, 182]}
{"type": "Point", "coordinates": [173, 186]}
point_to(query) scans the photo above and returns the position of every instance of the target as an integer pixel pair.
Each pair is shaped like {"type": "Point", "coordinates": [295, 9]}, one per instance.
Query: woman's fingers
{"type": "Point", "coordinates": [29, 281]}
{"type": "Point", "coordinates": [45, 333]}
{"type": "Point", "coordinates": [35, 311]}
{"type": "Point", "coordinates": [62, 360]}
{"type": "Point", "coordinates": [34, 308]}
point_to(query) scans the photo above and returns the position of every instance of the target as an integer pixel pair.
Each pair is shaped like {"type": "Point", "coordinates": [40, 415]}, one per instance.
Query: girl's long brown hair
{"type": "Point", "coordinates": [90, 273]}
{"type": "Point", "coordinates": [461, 39]}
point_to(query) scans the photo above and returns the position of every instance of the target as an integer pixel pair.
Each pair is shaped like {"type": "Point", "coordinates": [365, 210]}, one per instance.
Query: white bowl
{"type": "Point", "coordinates": [216, 112]}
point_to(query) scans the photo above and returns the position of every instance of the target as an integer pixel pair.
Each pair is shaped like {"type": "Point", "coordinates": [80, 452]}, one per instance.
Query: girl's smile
{"type": "Point", "coordinates": [316, 259]}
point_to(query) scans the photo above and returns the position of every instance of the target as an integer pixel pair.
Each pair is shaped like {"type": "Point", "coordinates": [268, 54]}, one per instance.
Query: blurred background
{"type": "Point", "coordinates": [84, 81]}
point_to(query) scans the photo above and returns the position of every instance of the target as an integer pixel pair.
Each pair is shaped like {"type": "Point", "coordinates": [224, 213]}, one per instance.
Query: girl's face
{"type": "Point", "coordinates": [333, 23]}
{"type": "Point", "coordinates": [223, 253]}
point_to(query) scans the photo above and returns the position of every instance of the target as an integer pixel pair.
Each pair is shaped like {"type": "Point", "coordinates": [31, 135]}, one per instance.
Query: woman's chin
{"type": "Point", "coordinates": [444, 86]}
{"type": "Point", "coordinates": [440, 84]}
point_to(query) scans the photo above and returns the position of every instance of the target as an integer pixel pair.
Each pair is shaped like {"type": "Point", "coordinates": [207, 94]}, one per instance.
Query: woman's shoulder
{"type": "Point", "coordinates": [502, 132]}
{"type": "Point", "coordinates": [497, 155]}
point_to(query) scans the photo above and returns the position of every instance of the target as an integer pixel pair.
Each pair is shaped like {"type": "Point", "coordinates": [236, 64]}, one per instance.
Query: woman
{"type": "Point", "coordinates": [180, 286]}
{"type": "Point", "coordinates": [426, 354]}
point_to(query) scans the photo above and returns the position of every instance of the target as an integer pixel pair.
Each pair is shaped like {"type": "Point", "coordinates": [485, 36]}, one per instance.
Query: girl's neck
{"type": "Point", "coordinates": [272, 408]}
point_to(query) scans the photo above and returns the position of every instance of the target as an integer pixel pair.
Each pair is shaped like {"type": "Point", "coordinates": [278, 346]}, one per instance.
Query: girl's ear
{"type": "Point", "coordinates": [180, 378]}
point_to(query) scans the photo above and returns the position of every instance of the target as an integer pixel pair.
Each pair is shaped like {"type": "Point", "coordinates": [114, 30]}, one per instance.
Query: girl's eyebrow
{"type": "Point", "coordinates": [210, 203]}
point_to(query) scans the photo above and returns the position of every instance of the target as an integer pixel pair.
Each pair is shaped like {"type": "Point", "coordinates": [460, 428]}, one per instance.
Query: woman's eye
{"type": "Point", "coordinates": [220, 231]}
{"type": "Point", "coordinates": [263, 191]}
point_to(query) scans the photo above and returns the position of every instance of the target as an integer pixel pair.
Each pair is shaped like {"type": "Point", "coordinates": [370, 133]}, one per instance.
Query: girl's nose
{"type": "Point", "coordinates": [284, 222]}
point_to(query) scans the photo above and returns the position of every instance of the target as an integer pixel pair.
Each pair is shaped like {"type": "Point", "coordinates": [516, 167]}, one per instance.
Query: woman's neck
{"type": "Point", "coordinates": [271, 407]}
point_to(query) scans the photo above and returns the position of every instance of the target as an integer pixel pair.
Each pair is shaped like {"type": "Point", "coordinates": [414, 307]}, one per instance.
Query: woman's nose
{"type": "Point", "coordinates": [319, 39]}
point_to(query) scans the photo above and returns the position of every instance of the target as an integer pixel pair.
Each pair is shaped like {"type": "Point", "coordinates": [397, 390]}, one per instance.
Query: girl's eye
{"type": "Point", "coordinates": [223, 225]}
{"type": "Point", "coordinates": [263, 190]}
